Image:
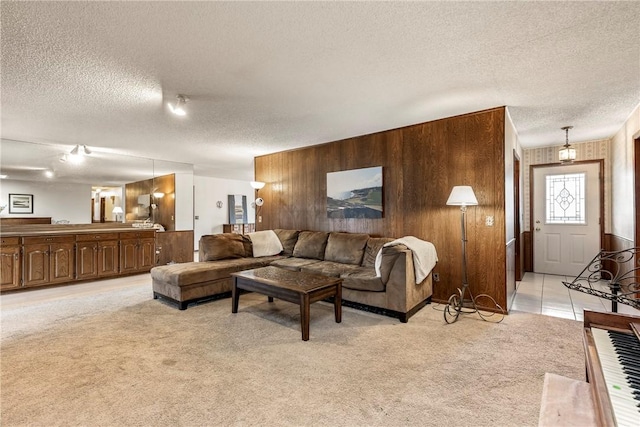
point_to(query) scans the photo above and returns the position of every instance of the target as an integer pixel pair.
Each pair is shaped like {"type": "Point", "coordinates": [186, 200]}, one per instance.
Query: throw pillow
{"type": "Point", "coordinates": [346, 248]}
{"type": "Point", "coordinates": [288, 238]}
{"type": "Point", "coordinates": [221, 246]}
{"type": "Point", "coordinates": [311, 244]}
{"type": "Point", "coordinates": [374, 244]}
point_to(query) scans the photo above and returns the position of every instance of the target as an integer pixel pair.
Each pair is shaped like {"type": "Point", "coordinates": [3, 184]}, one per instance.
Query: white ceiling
{"type": "Point", "coordinates": [270, 76]}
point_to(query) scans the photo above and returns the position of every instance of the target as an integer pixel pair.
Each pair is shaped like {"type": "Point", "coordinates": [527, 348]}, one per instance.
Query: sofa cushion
{"type": "Point", "coordinates": [311, 244]}
{"type": "Point", "coordinates": [222, 246]}
{"type": "Point", "coordinates": [188, 273]}
{"type": "Point", "coordinates": [347, 248]}
{"type": "Point", "coordinates": [362, 279]}
{"type": "Point", "coordinates": [288, 238]}
{"type": "Point", "coordinates": [329, 268]}
{"type": "Point", "coordinates": [293, 263]}
{"type": "Point", "coordinates": [374, 244]}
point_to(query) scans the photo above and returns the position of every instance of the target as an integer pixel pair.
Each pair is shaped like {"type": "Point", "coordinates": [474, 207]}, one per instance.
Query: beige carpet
{"type": "Point", "coordinates": [122, 359]}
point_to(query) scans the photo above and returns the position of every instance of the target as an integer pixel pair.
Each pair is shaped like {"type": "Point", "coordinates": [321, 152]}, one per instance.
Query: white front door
{"type": "Point", "coordinates": [566, 218]}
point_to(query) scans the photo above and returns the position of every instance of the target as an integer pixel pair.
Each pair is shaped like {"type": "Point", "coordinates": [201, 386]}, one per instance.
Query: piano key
{"type": "Point", "coordinates": [615, 355]}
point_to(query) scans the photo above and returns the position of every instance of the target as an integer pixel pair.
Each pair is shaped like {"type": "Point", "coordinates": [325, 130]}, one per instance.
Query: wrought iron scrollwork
{"type": "Point", "coordinates": [616, 270]}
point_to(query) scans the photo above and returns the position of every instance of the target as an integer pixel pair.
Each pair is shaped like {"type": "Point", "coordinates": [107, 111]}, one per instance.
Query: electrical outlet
{"type": "Point", "coordinates": [260, 218]}
{"type": "Point", "coordinates": [488, 221]}
{"type": "Point", "coordinates": [436, 277]}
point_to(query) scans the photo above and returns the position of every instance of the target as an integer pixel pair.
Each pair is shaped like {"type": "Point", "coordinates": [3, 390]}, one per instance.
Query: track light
{"type": "Point", "coordinates": [178, 108]}
{"type": "Point", "coordinates": [76, 155]}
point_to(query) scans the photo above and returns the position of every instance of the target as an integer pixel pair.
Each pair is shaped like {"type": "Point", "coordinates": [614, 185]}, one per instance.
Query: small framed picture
{"type": "Point", "coordinates": [20, 203]}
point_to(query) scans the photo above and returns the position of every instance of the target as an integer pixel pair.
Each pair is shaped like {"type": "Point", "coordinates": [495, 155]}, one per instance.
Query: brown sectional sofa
{"type": "Point", "coordinates": [350, 256]}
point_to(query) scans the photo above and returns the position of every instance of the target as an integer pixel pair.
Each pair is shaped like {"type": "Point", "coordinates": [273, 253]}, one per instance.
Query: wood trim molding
{"type": "Point", "coordinates": [530, 242]}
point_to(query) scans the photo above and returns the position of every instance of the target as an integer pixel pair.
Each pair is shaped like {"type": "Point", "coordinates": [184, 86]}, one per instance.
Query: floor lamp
{"type": "Point", "coordinates": [463, 196]}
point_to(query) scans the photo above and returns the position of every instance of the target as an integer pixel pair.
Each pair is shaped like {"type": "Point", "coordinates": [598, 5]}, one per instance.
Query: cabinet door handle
{"type": "Point", "coordinates": [15, 256]}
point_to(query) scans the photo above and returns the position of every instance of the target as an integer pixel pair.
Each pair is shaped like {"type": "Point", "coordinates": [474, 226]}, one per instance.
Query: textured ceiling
{"type": "Point", "coordinates": [265, 76]}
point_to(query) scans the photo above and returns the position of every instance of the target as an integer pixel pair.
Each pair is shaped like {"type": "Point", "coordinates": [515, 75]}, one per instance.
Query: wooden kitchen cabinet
{"type": "Point", "coordinates": [48, 260]}
{"type": "Point", "coordinates": [10, 263]}
{"type": "Point", "coordinates": [97, 255]}
{"type": "Point", "coordinates": [70, 254]}
{"type": "Point", "coordinates": [137, 251]}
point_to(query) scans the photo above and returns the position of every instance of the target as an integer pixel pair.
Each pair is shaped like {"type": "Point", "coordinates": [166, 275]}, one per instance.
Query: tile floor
{"type": "Point", "coordinates": [545, 294]}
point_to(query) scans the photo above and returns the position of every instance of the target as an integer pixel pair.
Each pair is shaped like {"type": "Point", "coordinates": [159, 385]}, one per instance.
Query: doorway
{"type": "Point", "coordinates": [567, 216]}
{"type": "Point", "coordinates": [517, 217]}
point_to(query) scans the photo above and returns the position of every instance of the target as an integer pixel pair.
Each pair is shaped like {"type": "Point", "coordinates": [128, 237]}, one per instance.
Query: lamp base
{"type": "Point", "coordinates": [457, 305]}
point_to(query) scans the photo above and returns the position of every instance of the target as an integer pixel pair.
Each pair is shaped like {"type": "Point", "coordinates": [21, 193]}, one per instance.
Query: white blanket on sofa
{"type": "Point", "coordinates": [265, 243]}
{"type": "Point", "coordinates": [424, 256]}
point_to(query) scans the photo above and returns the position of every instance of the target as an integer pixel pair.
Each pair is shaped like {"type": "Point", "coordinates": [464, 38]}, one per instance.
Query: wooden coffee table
{"type": "Point", "coordinates": [292, 286]}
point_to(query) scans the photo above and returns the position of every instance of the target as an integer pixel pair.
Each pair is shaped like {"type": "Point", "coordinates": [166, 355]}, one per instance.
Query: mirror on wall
{"type": "Point", "coordinates": [86, 186]}
{"type": "Point", "coordinates": [237, 209]}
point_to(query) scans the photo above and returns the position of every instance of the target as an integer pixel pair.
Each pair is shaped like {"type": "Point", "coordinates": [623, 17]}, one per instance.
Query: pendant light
{"type": "Point", "coordinates": [567, 154]}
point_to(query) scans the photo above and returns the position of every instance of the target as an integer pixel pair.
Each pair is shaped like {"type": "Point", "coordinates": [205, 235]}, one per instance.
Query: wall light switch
{"type": "Point", "coordinates": [489, 221]}
{"type": "Point", "coordinates": [260, 218]}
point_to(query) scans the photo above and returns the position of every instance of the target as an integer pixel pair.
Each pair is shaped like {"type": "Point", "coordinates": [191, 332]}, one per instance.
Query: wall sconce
{"type": "Point", "coordinates": [118, 211]}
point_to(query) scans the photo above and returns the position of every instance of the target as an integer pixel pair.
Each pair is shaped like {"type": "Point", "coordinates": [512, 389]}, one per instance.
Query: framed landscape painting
{"type": "Point", "coordinates": [355, 193]}
{"type": "Point", "coordinates": [20, 203]}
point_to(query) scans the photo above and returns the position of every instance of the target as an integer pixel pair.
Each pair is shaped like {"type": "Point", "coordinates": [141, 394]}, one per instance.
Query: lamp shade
{"type": "Point", "coordinates": [117, 210]}
{"type": "Point", "coordinates": [257, 184]}
{"type": "Point", "coordinates": [567, 154]}
{"type": "Point", "coordinates": [462, 195]}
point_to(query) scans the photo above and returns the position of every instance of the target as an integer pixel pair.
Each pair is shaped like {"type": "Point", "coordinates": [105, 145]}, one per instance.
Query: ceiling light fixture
{"type": "Point", "coordinates": [178, 108]}
{"type": "Point", "coordinates": [567, 154]}
{"type": "Point", "coordinates": [76, 155]}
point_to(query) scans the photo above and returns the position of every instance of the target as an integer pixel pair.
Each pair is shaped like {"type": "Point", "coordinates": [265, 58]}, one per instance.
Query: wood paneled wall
{"type": "Point", "coordinates": [421, 163]}
{"type": "Point", "coordinates": [166, 211]}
